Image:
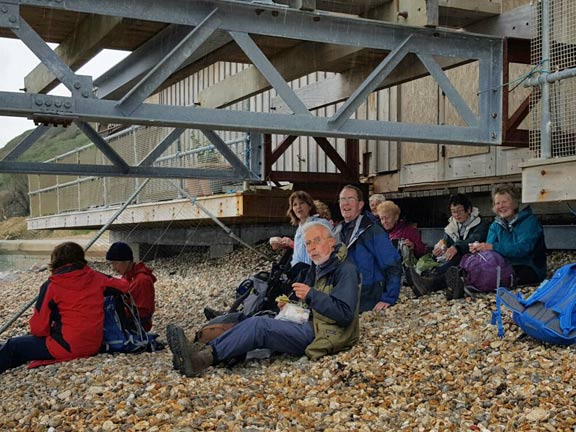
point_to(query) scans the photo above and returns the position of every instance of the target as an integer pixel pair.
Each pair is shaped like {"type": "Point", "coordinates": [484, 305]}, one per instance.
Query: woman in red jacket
{"type": "Point", "coordinates": [68, 318]}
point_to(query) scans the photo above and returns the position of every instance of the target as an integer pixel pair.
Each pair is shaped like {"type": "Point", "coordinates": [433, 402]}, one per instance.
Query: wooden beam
{"type": "Point", "coordinates": [279, 151]}
{"type": "Point", "coordinates": [267, 142]}
{"type": "Point", "coordinates": [520, 114]}
{"type": "Point", "coordinates": [352, 7]}
{"type": "Point", "coordinates": [515, 51]}
{"type": "Point", "coordinates": [548, 180]}
{"type": "Point", "coordinates": [293, 63]}
{"type": "Point", "coordinates": [82, 45]}
{"type": "Point", "coordinates": [307, 177]}
{"type": "Point", "coordinates": [334, 156]}
{"type": "Point", "coordinates": [353, 157]}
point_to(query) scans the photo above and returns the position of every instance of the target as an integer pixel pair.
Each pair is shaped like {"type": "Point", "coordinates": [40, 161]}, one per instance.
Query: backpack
{"type": "Point", "coordinates": [216, 326]}
{"type": "Point", "coordinates": [487, 271]}
{"type": "Point", "coordinates": [549, 314]}
{"type": "Point", "coordinates": [123, 331]}
{"type": "Point", "coordinates": [255, 295]}
{"type": "Point", "coordinates": [258, 293]}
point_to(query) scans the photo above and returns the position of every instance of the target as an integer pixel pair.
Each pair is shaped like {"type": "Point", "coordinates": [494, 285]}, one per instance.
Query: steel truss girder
{"type": "Point", "coordinates": [134, 98]}
{"type": "Point", "coordinates": [239, 19]}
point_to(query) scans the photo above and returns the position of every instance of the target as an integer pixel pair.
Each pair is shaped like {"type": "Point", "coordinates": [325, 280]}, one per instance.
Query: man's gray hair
{"type": "Point", "coordinates": [309, 225]}
{"type": "Point", "coordinates": [377, 198]}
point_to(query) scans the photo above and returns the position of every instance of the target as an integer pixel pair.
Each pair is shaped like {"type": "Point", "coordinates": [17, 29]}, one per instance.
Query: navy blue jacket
{"type": "Point", "coordinates": [377, 260]}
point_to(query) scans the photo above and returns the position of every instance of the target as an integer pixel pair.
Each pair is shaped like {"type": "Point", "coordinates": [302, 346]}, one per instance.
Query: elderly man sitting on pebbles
{"type": "Point", "coordinates": [331, 291]}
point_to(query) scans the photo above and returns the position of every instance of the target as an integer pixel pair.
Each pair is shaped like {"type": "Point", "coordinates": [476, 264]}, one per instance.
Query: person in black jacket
{"type": "Point", "coordinates": [465, 226]}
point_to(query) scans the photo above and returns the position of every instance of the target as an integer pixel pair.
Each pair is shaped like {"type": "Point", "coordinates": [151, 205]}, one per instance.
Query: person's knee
{"type": "Point", "coordinates": [260, 327]}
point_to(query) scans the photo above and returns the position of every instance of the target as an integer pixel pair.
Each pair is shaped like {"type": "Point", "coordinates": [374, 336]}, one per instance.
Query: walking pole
{"type": "Point", "coordinates": [88, 246]}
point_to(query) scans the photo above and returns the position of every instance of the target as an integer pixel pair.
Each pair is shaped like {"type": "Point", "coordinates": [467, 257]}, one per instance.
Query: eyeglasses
{"type": "Point", "coordinates": [349, 199]}
{"type": "Point", "coordinates": [457, 212]}
{"type": "Point", "coordinates": [315, 241]}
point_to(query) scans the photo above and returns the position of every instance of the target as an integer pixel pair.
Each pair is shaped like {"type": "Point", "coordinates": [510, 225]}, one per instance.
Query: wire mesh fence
{"type": "Point", "coordinates": [59, 193]}
{"type": "Point", "coordinates": [556, 34]}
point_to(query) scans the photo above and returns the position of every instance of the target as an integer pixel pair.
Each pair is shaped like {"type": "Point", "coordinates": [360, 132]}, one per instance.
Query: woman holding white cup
{"type": "Point", "coordinates": [301, 209]}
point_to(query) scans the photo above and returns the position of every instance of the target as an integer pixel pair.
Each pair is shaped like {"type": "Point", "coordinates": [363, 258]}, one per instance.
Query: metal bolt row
{"type": "Point", "coordinates": [48, 102]}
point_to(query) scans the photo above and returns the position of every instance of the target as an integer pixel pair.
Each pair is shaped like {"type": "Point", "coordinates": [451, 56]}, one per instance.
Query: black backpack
{"type": "Point", "coordinates": [255, 295]}
{"type": "Point", "coordinates": [259, 292]}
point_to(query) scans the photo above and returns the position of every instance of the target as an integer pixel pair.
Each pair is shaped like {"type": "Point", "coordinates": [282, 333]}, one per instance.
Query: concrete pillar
{"type": "Point", "coordinates": [219, 250]}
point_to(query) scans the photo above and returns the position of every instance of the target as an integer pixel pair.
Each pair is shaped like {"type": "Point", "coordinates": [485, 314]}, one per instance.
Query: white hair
{"type": "Point", "coordinates": [309, 225]}
{"type": "Point", "coordinates": [377, 197]}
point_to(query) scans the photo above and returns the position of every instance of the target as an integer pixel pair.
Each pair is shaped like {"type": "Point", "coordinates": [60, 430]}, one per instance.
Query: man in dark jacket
{"type": "Point", "coordinates": [371, 250]}
{"type": "Point", "coordinates": [330, 290]}
{"type": "Point", "coordinates": [141, 280]}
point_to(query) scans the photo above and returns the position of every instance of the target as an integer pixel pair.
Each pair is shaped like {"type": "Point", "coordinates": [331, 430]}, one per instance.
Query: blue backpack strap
{"type": "Point", "coordinates": [497, 315]}
{"type": "Point", "coordinates": [513, 302]}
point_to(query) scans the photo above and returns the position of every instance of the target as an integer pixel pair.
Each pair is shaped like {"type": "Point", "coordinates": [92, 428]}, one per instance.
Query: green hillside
{"type": "Point", "coordinates": [14, 187]}
{"type": "Point", "coordinates": [56, 141]}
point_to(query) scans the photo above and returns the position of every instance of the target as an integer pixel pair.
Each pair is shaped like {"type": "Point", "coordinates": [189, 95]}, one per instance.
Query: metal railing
{"type": "Point", "coordinates": [553, 101]}
{"type": "Point", "coordinates": [58, 194]}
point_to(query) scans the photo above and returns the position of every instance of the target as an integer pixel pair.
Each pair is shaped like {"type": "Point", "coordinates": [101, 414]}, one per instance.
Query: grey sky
{"type": "Point", "coordinates": [18, 61]}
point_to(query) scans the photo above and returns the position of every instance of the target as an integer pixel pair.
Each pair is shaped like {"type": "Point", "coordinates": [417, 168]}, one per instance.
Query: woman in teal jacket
{"type": "Point", "coordinates": [516, 235]}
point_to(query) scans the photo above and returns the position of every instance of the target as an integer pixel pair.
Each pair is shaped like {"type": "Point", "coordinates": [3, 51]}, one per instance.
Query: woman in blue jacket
{"type": "Point", "coordinates": [516, 235]}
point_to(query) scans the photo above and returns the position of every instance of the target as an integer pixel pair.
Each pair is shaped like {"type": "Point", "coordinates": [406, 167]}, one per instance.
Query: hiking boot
{"type": "Point", "coordinates": [191, 359]}
{"type": "Point", "coordinates": [210, 313]}
{"type": "Point", "coordinates": [172, 340]}
{"type": "Point", "coordinates": [407, 276]}
{"type": "Point", "coordinates": [454, 283]}
{"type": "Point", "coordinates": [420, 285]}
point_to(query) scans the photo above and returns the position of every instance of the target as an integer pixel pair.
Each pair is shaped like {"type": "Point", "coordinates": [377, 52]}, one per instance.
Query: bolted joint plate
{"type": "Point", "coordinates": [9, 14]}
{"type": "Point", "coordinates": [50, 109]}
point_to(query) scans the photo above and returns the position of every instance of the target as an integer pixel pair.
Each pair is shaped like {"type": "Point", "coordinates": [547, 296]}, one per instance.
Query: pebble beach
{"type": "Point", "coordinates": [426, 364]}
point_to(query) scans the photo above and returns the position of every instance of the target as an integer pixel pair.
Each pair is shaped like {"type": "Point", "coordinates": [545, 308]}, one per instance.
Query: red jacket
{"type": "Point", "coordinates": [142, 281]}
{"type": "Point", "coordinates": [69, 312]}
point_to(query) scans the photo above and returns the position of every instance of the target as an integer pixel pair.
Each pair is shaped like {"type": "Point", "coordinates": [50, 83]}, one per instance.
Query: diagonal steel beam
{"type": "Point", "coordinates": [26, 143]}
{"type": "Point", "coordinates": [86, 41]}
{"type": "Point", "coordinates": [449, 90]}
{"type": "Point", "coordinates": [267, 69]}
{"type": "Point", "coordinates": [170, 64]}
{"type": "Point", "coordinates": [291, 63]}
{"type": "Point", "coordinates": [228, 154]}
{"type": "Point", "coordinates": [370, 83]}
{"type": "Point", "coordinates": [51, 60]}
{"type": "Point", "coordinates": [103, 146]}
{"type": "Point", "coordinates": [116, 82]}
{"type": "Point", "coordinates": [161, 147]}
